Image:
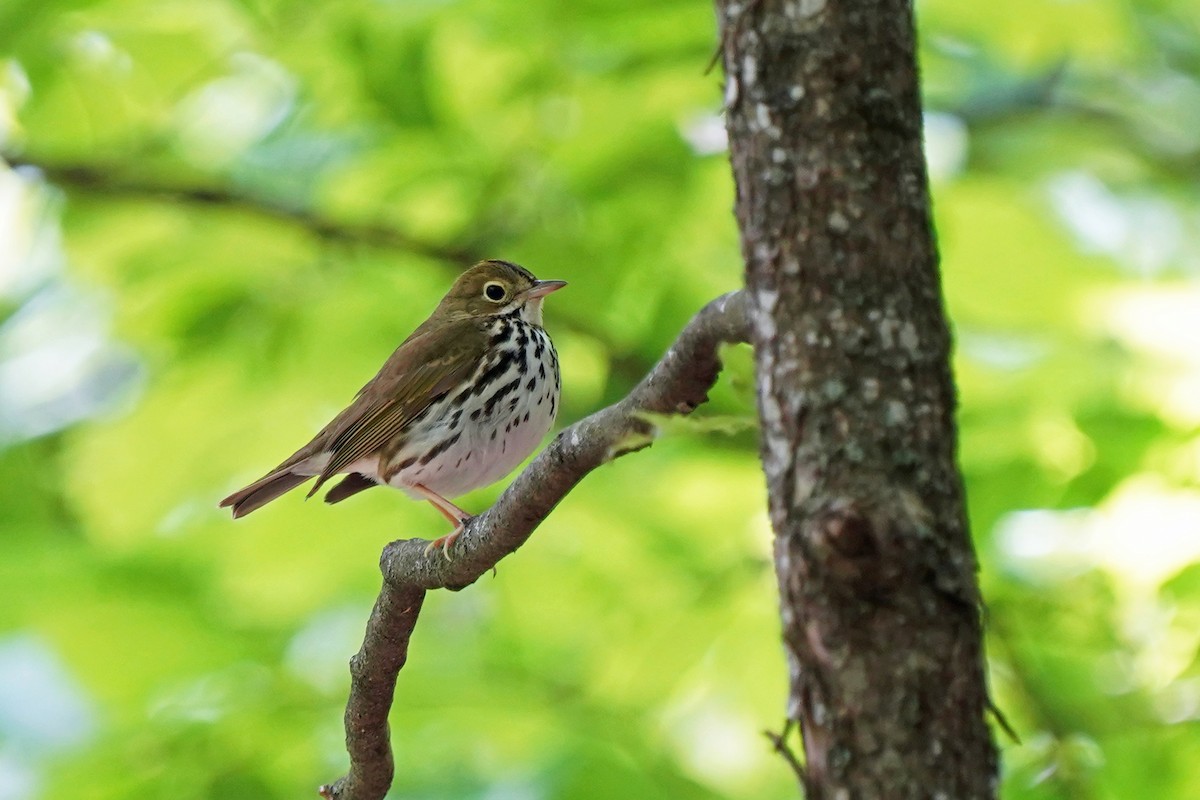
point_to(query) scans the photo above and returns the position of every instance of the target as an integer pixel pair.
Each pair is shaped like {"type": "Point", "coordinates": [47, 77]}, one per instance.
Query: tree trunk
{"type": "Point", "coordinates": [876, 571]}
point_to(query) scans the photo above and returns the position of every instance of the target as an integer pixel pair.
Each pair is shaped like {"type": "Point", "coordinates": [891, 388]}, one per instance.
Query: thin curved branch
{"type": "Point", "coordinates": [677, 384]}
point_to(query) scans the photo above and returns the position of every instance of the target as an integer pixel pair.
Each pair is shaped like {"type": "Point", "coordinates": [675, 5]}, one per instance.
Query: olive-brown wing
{"type": "Point", "coordinates": [422, 370]}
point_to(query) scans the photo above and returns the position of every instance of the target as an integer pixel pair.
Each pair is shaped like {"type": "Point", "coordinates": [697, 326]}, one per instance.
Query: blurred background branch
{"type": "Point", "coordinates": [118, 179]}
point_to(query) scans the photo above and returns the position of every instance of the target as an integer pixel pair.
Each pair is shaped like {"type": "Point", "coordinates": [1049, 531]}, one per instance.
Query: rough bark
{"type": "Point", "coordinates": [879, 601]}
{"type": "Point", "coordinates": [676, 385]}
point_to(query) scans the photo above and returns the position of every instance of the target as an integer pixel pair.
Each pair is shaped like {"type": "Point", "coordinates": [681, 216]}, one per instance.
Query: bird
{"type": "Point", "coordinates": [458, 405]}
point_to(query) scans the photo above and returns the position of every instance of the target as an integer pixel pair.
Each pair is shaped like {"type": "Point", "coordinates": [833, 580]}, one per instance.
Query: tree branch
{"type": "Point", "coordinates": [677, 384]}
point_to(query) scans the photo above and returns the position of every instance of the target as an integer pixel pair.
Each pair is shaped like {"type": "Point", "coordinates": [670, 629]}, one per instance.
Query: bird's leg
{"type": "Point", "coordinates": [448, 510]}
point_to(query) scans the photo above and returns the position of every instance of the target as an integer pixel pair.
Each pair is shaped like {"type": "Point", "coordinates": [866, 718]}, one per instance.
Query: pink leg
{"type": "Point", "coordinates": [448, 510]}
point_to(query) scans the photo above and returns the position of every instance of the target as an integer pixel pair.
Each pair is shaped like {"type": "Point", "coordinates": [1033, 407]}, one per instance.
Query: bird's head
{"type": "Point", "coordinates": [494, 288]}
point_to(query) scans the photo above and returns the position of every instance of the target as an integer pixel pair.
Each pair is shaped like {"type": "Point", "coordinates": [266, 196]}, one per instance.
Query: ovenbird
{"type": "Point", "coordinates": [457, 406]}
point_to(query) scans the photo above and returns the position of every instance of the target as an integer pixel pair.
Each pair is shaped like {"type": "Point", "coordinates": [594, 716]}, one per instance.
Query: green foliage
{"type": "Point", "coordinates": [243, 205]}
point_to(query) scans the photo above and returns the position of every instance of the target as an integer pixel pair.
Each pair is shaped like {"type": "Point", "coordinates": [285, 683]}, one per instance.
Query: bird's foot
{"type": "Point", "coordinates": [446, 541]}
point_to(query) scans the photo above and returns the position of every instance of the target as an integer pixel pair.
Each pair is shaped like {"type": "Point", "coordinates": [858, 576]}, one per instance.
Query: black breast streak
{"type": "Point", "coordinates": [440, 448]}
{"type": "Point", "coordinates": [501, 335]}
{"type": "Point", "coordinates": [499, 395]}
{"type": "Point", "coordinates": [398, 468]}
{"type": "Point", "coordinates": [490, 375]}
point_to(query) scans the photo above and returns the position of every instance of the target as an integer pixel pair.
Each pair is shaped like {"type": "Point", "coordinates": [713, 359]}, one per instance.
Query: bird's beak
{"type": "Point", "coordinates": [543, 288]}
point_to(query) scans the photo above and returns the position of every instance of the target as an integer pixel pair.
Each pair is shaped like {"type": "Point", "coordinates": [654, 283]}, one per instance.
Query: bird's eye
{"type": "Point", "coordinates": [494, 292]}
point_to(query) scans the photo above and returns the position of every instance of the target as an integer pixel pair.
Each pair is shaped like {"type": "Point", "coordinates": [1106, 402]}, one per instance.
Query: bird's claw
{"type": "Point", "coordinates": [445, 541]}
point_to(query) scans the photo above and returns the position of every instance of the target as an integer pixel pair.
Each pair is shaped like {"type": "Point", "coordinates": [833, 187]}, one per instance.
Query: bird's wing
{"type": "Point", "coordinates": [427, 366]}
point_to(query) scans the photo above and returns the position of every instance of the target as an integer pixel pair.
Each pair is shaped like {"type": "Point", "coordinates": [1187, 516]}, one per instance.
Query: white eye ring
{"type": "Point", "coordinates": [494, 291]}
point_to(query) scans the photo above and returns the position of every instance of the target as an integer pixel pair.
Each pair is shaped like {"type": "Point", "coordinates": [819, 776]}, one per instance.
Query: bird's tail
{"type": "Point", "coordinates": [263, 491]}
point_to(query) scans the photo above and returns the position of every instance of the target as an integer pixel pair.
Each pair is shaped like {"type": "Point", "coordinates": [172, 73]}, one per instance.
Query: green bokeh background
{"type": "Point", "coordinates": [243, 205]}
